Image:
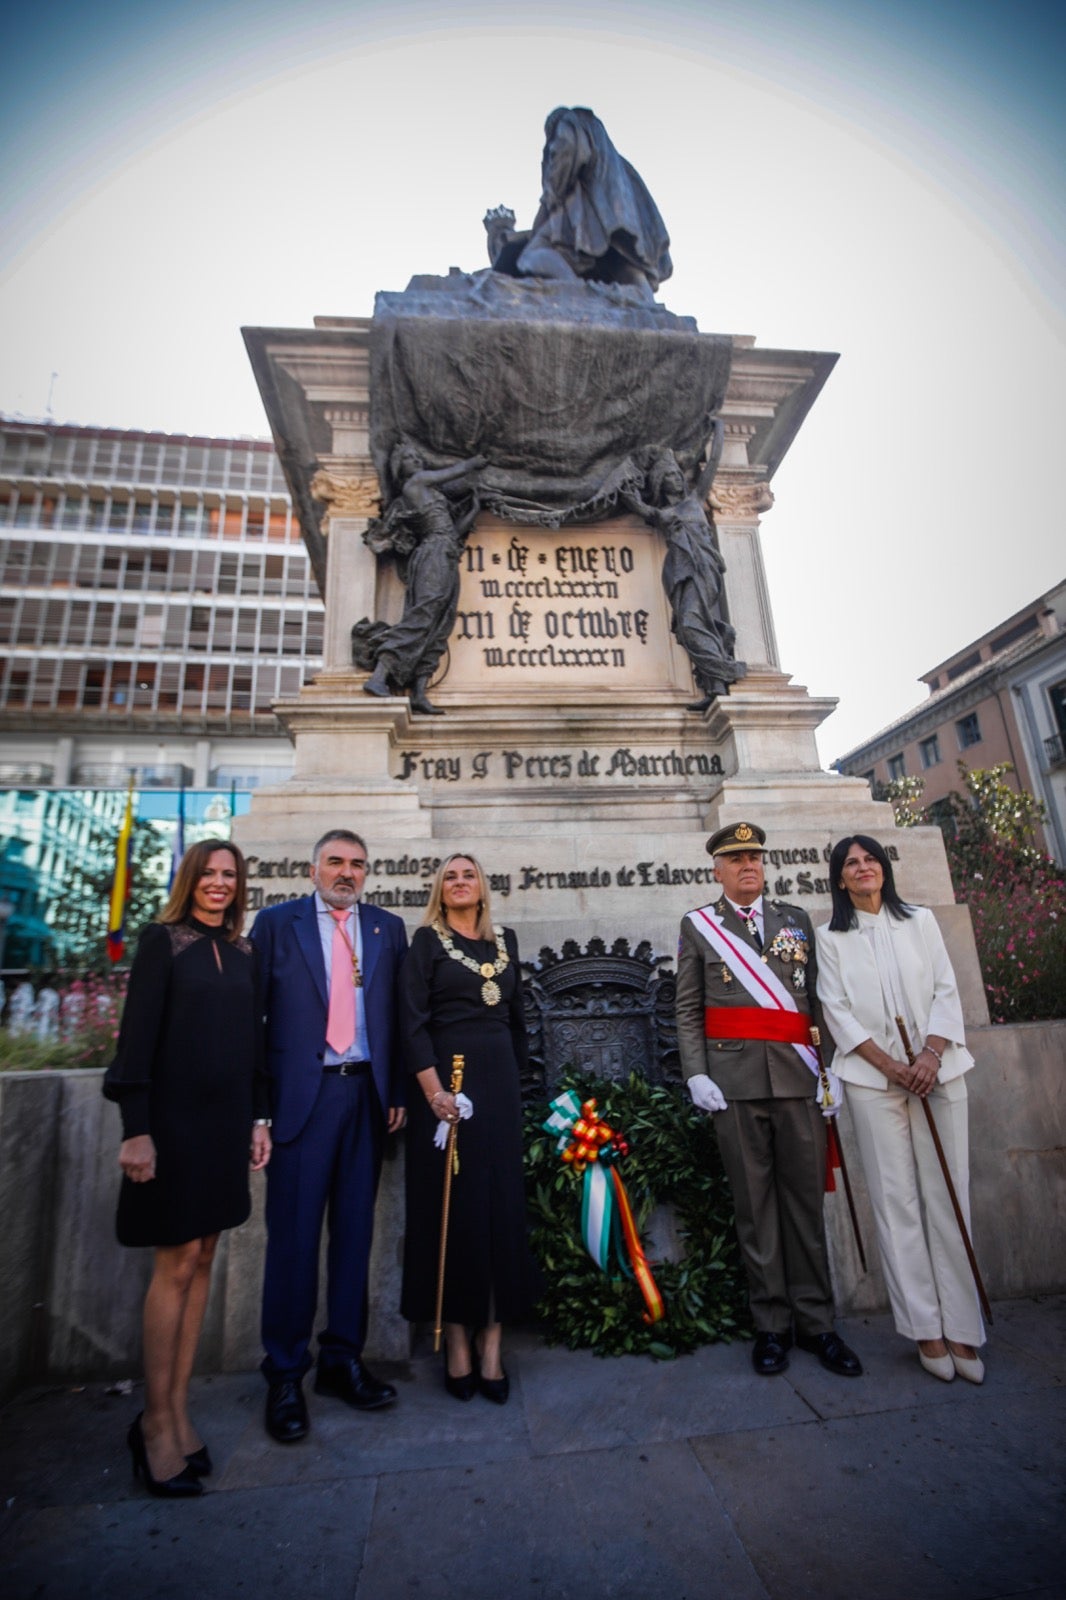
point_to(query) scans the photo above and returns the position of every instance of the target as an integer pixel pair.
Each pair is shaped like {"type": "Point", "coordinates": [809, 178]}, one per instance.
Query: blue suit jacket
{"type": "Point", "coordinates": [296, 1000]}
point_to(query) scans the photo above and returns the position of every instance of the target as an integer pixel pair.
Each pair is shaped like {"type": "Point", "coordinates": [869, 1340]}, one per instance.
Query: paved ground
{"type": "Point", "coordinates": [601, 1478]}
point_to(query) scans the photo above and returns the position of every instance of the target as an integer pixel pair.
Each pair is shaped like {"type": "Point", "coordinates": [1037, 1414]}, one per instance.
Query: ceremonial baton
{"type": "Point", "coordinates": [451, 1164]}
{"type": "Point", "coordinates": [942, 1158]}
{"type": "Point", "coordinates": [836, 1149]}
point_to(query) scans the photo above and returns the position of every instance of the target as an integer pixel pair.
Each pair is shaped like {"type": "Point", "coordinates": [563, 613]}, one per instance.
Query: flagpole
{"type": "Point", "coordinates": [179, 838]}
{"type": "Point", "coordinates": [120, 883]}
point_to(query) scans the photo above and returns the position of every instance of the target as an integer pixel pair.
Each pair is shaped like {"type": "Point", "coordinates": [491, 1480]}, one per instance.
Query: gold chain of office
{"type": "Point", "coordinates": [489, 970]}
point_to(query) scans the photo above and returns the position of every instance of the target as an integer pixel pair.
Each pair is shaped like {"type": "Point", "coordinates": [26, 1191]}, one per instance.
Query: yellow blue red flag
{"type": "Point", "coordinates": [120, 884]}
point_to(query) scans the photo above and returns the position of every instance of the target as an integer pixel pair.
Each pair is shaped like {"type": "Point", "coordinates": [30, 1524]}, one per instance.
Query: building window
{"type": "Point", "coordinates": [966, 665]}
{"type": "Point", "coordinates": [929, 750]}
{"type": "Point", "coordinates": [1019, 631]}
{"type": "Point", "coordinates": [1057, 696]}
{"type": "Point", "coordinates": [968, 730]}
{"type": "Point", "coordinates": [896, 768]}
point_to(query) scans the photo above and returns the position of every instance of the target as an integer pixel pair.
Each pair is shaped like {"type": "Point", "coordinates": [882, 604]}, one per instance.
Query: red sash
{"type": "Point", "coordinates": [756, 1022]}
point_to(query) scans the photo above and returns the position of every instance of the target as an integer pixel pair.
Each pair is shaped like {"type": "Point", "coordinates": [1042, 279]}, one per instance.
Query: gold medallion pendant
{"type": "Point", "coordinates": [489, 970]}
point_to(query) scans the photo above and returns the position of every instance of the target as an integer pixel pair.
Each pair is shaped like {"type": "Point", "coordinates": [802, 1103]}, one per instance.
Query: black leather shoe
{"type": "Point", "coordinates": [770, 1354]}
{"type": "Point", "coordinates": [200, 1462]}
{"type": "Point", "coordinates": [464, 1388]}
{"type": "Point", "coordinates": [286, 1411]}
{"type": "Point", "coordinates": [833, 1353]}
{"type": "Point", "coordinates": [182, 1486]}
{"type": "Point", "coordinates": [495, 1389]}
{"type": "Point", "coordinates": [351, 1382]}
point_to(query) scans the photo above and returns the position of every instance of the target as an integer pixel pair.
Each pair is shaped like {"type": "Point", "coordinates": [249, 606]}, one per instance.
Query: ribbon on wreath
{"type": "Point", "coordinates": [590, 1146]}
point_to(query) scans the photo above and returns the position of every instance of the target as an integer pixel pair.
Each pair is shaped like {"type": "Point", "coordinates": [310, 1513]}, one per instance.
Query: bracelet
{"type": "Point", "coordinates": [438, 1094]}
{"type": "Point", "coordinates": [933, 1052]}
{"type": "Point", "coordinates": [262, 1122]}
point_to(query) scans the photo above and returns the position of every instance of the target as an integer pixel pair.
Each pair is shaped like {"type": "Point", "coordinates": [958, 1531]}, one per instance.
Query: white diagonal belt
{"type": "Point", "coordinates": [761, 982]}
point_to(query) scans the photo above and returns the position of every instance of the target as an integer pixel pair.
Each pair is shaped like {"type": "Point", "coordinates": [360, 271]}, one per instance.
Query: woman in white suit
{"type": "Point", "coordinates": [878, 959]}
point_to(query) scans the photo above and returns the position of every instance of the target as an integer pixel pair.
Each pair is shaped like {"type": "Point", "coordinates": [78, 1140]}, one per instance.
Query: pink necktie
{"type": "Point", "coordinates": [340, 1024]}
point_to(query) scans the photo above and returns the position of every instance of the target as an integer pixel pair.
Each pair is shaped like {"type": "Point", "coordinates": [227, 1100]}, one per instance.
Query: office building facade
{"type": "Point", "coordinates": [155, 599]}
{"type": "Point", "coordinates": [1000, 699]}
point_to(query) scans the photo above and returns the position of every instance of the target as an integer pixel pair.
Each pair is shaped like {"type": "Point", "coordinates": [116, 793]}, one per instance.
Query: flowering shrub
{"type": "Point", "coordinates": [1016, 894]}
{"type": "Point", "coordinates": [90, 1009]}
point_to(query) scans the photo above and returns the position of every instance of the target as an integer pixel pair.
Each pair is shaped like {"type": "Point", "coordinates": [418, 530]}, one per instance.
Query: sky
{"type": "Point", "coordinates": [880, 180]}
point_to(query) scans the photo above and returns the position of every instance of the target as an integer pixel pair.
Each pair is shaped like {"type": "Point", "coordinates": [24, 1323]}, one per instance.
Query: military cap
{"type": "Point", "coordinates": [738, 836]}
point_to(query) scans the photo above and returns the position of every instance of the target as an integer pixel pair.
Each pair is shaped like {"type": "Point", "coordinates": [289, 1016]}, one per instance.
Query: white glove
{"type": "Point", "coordinates": [465, 1109]}
{"type": "Point", "coordinates": [836, 1096]}
{"type": "Point", "coordinates": [706, 1093]}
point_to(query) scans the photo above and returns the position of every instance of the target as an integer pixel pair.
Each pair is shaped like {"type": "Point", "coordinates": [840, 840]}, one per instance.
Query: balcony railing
{"type": "Point", "coordinates": [15, 775]}
{"type": "Point", "coordinates": [99, 776]}
{"type": "Point", "coordinates": [1055, 750]}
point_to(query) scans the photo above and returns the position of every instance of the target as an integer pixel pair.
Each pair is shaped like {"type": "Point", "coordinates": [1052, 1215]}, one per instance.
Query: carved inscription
{"type": "Point", "coordinates": [521, 766]}
{"type": "Point", "coordinates": [402, 882]}
{"type": "Point", "coordinates": [539, 606]}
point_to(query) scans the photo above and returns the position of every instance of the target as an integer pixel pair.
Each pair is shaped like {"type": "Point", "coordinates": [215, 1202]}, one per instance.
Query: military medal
{"type": "Point", "coordinates": [790, 947]}
{"type": "Point", "coordinates": [489, 970]}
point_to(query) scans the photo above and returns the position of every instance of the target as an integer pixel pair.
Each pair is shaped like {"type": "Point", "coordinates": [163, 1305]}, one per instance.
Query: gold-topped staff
{"type": "Point", "coordinates": [942, 1158]}
{"type": "Point", "coordinates": [451, 1164]}
{"type": "Point", "coordinates": [836, 1149]}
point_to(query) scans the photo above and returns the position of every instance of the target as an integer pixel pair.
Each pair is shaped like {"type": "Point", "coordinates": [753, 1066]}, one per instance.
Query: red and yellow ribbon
{"type": "Point", "coordinates": [591, 1146]}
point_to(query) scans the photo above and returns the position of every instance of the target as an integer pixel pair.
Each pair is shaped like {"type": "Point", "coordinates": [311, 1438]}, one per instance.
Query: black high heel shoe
{"type": "Point", "coordinates": [495, 1389]}
{"type": "Point", "coordinates": [182, 1485]}
{"type": "Point", "coordinates": [200, 1462]}
{"type": "Point", "coordinates": [463, 1388]}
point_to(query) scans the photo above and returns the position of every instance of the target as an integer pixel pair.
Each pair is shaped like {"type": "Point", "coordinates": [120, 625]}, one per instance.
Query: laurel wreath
{"type": "Point", "coordinates": [673, 1159]}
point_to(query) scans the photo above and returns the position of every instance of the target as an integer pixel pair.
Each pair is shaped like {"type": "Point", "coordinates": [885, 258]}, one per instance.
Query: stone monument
{"type": "Point", "coordinates": [532, 496]}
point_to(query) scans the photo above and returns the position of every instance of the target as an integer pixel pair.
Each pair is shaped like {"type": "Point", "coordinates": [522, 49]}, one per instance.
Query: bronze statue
{"type": "Point", "coordinates": [422, 525]}
{"type": "Point", "coordinates": [596, 218]}
{"type": "Point", "coordinates": [693, 570]}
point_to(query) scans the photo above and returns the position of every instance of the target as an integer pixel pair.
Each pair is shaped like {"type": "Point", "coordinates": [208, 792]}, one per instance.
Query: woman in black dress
{"type": "Point", "coordinates": [461, 994]}
{"type": "Point", "coordinates": [188, 1079]}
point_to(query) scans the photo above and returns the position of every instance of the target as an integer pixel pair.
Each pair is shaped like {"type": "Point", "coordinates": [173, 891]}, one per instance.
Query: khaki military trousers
{"type": "Point", "coordinates": [774, 1156]}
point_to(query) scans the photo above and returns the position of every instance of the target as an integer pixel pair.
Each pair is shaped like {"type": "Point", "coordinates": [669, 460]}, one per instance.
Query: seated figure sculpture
{"type": "Point", "coordinates": [422, 524]}
{"type": "Point", "coordinates": [693, 570]}
{"type": "Point", "coordinates": [596, 220]}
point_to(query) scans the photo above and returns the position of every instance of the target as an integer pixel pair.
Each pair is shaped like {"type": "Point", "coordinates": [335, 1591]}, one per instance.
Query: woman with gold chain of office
{"type": "Point", "coordinates": [461, 994]}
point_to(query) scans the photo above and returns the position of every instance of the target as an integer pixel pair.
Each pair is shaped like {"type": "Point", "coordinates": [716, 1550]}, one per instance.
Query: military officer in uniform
{"type": "Point", "coordinates": [745, 992]}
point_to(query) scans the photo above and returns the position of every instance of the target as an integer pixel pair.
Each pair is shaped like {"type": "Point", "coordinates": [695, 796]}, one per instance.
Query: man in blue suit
{"type": "Point", "coordinates": [334, 1099]}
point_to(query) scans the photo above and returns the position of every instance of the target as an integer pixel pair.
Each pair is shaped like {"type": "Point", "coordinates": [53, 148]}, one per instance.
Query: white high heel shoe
{"type": "Point", "coordinates": [942, 1367]}
{"type": "Point", "coordinates": [972, 1368]}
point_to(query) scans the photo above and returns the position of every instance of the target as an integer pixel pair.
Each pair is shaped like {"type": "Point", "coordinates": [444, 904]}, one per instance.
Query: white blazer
{"type": "Point", "coordinates": [850, 991]}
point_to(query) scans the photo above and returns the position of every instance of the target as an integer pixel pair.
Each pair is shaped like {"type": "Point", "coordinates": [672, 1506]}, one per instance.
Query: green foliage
{"type": "Point", "coordinates": [995, 829]}
{"type": "Point", "coordinates": [1016, 894]}
{"type": "Point", "coordinates": [905, 797]}
{"type": "Point", "coordinates": [673, 1159]}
